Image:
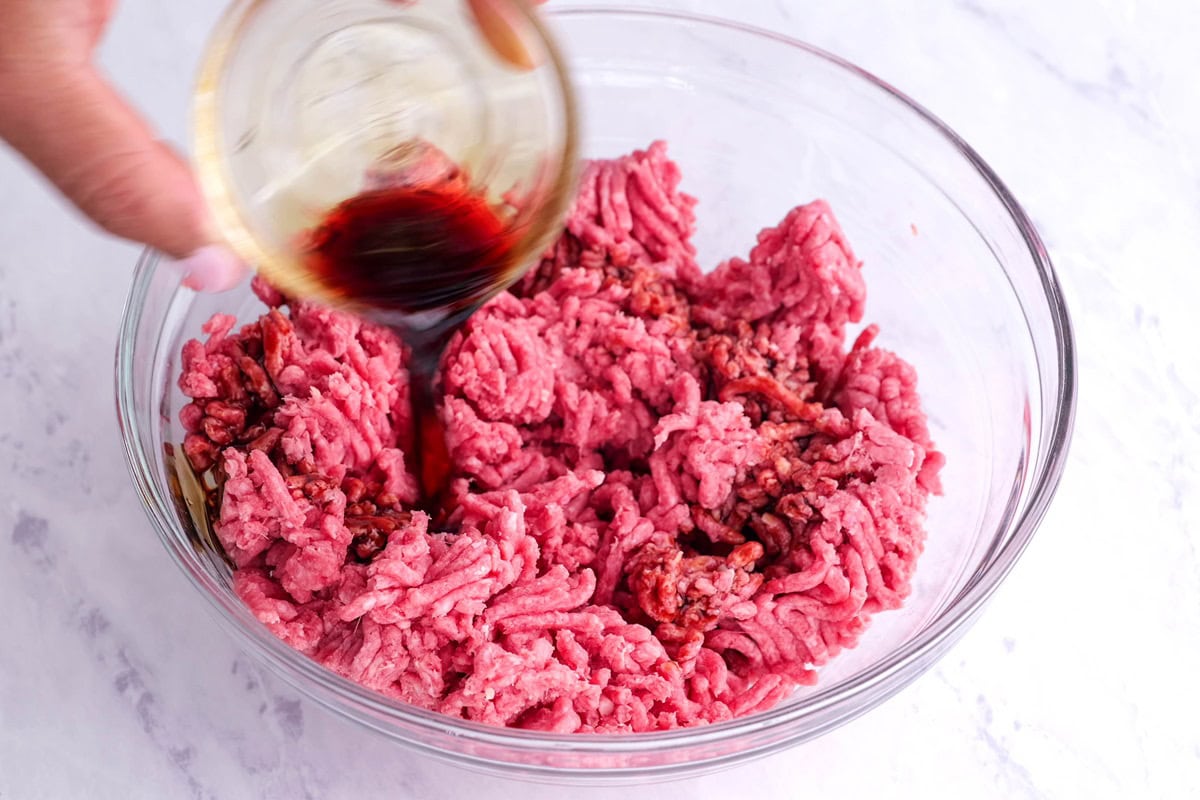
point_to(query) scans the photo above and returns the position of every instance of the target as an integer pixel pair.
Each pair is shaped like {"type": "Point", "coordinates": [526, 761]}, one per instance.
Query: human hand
{"type": "Point", "coordinates": [59, 111]}
{"type": "Point", "coordinates": [500, 27]}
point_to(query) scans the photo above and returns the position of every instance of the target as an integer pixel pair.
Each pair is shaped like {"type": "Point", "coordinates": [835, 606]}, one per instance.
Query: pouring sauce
{"type": "Point", "coordinates": [422, 259]}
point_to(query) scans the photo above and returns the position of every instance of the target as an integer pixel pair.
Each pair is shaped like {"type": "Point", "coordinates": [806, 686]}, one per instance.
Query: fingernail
{"type": "Point", "coordinates": [500, 24]}
{"type": "Point", "coordinates": [213, 268]}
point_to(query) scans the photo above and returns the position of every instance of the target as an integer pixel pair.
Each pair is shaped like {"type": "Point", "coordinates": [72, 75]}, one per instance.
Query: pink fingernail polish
{"type": "Point", "coordinates": [213, 268]}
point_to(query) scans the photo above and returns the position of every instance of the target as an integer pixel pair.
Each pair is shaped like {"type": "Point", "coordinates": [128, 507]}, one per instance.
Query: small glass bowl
{"type": "Point", "coordinates": [301, 105]}
{"type": "Point", "coordinates": [957, 279]}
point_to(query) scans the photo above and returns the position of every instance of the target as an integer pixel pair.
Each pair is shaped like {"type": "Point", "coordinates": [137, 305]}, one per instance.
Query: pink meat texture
{"type": "Point", "coordinates": [678, 494]}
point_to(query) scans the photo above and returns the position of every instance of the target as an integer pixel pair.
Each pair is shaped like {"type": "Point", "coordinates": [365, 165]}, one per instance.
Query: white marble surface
{"type": "Point", "coordinates": [115, 683]}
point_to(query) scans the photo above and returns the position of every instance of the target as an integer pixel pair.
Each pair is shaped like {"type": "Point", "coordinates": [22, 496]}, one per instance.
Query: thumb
{"type": "Point", "coordinates": [74, 127]}
{"type": "Point", "coordinates": [505, 30]}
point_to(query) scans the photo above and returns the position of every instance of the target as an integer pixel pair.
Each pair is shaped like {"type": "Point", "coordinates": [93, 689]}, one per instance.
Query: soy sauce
{"type": "Point", "coordinates": [412, 250]}
{"type": "Point", "coordinates": [423, 258]}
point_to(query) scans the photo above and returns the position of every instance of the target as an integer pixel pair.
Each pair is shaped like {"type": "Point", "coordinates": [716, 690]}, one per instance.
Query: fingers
{"type": "Point", "coordinates": [503, 28]}
{"type": "Point", "coordinates": [74, 127]}
{"type": "Point", "coordinates": [212, 268]}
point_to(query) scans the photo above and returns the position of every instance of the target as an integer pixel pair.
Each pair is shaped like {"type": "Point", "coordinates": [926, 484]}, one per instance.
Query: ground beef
{"type": "Point", "coordinates": [677, 494]}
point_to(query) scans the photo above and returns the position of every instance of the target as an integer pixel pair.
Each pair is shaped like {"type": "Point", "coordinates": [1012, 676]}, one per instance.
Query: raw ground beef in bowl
{"type": "Point", "coordinates": [677, 494]}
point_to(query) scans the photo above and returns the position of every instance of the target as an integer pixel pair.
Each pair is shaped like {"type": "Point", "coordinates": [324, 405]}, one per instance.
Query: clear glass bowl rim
{"type": "Point", "coordinates": [890, 674]}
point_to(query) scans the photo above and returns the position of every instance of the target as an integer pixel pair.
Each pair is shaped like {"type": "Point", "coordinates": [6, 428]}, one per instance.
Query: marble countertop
{"type": "Point", "coordinates": [116, 683]}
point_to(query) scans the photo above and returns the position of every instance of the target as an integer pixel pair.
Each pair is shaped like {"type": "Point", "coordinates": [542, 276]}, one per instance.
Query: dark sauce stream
{"type": "Point", "coordinates": [422, 259]}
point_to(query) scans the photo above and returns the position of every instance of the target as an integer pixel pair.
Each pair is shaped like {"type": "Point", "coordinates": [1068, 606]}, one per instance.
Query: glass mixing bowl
{"type": "Point", "coordinates": [957, 279]}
